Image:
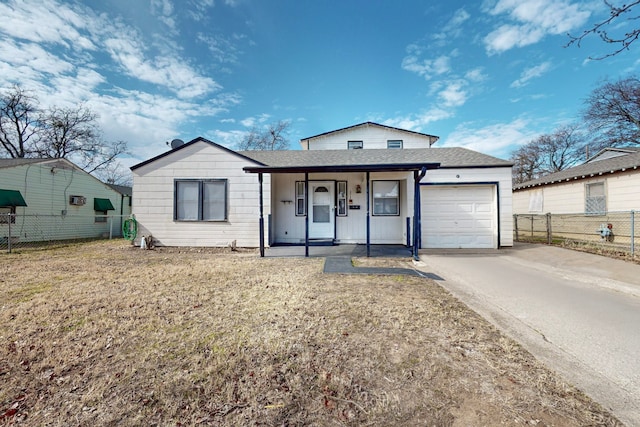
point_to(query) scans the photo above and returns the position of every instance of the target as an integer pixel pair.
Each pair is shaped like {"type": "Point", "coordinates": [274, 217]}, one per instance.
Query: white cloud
{"type": "Point", "coordinates": [427, 68]}
{"type": "Point", "coordinates": [418, 122]}
{"type": "Point", "coordinates": [45, 21]}
{"type": "Point", "coordinates": [497, 139]}
{"type": "Point", "coordinates": [163, 9]}
{"type": "Point", "coordinates": [476, 75]}
{"type": "Point", "coordinates": [532, 20]}
{"type": "Point", "coordinates": [65, 54]}
{"type": "Point", "coordinates": [454, 94]}
{"type": "Point", "coordinates": [531, 73]}
{"type": "Point", "coordinates": [255, 121]}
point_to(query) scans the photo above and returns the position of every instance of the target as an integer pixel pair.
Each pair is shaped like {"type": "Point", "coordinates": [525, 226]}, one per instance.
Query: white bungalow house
{"type": "Point", "coordinates": [53, 199]}
{"type": "Point", "coordinates": [607, 182]}
{"type": "Point", "coordinates": [364, 184]}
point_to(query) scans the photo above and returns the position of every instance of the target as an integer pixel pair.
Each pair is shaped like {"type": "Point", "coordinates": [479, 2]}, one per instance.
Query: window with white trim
{"type": "Point", "coordinates": [354, 145]}
{"type": "Point", "coordinates": [394, 143]}
{"type": "Point", "coordinates": [386, 198]}
{"type": "Point", "coordinates": [301, 201]}
{"type": "Point", "coordinates": [342, 198]}
{"type": "Point", "coordinates": [200, 200]}
{"type": "Point", "coordinates": [595, 199]}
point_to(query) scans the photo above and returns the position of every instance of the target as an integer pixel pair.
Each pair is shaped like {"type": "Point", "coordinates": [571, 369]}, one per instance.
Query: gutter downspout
{"type": "Point", "coordinates": [417, 226]}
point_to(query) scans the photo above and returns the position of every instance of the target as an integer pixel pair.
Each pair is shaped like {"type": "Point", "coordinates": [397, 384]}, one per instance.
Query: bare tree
{"type": "Point", "coordinates": [115, 173]}
{"type": "Point", "coordinates": [271, 137]}
{"type": "Point", "coordinates": [69, 133]}
{"type": "Point", "coordinates": [613, 113]}
{"type": "Point", "coordinates": [549, 153]}
{"type": "Point", "coordinates": [72, 133]}
{"type": "Point", "coordinates": [18, 122]}
{"type": "Point", "coordinates": [527, 163]}
{"type": "Point", "coordinates": [603, 29]}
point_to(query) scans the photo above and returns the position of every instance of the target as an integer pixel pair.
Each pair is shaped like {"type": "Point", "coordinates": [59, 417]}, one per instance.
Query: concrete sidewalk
{"type": "Point", "coordinates": [578, 313]}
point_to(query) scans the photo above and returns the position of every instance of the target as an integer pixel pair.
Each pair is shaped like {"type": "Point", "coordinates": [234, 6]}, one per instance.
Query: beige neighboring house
{"type": "Point", "coordinates": [607, 182]}
{"type": "Point", "coordinates": [54, 199]}
{"type": "Point", "coordinates": [364, 184]}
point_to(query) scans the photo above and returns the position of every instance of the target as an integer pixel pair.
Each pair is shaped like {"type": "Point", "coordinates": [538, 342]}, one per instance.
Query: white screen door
{"type": "Point", "coordinates": [321, 210]}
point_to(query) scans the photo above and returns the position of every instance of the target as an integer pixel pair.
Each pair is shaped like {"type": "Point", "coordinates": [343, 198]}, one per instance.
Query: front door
{"type": "Point", "coordinates": [321, 212]}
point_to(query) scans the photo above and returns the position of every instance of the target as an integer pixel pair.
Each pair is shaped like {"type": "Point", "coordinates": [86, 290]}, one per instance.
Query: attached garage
{"type": "Point", "coordinates": [459, 216]}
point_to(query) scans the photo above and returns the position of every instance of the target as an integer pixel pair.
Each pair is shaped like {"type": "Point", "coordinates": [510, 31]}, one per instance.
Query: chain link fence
{"type": "Point", "coordinates": [28, 231]}
{"type": "Point", "coordinates": [610, 232]}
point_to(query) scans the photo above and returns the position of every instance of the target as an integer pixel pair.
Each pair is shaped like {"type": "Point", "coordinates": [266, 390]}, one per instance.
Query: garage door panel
{"type": "Point", "coordinates": [458, 217]}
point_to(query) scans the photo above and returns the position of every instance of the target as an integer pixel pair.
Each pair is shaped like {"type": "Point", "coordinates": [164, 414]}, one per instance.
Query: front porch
{"type": "Point", "coordinates": [350, 250]}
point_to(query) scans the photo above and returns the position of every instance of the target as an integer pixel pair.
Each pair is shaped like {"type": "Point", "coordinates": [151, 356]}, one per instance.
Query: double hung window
{"type": "Point", "coordinates": [595, 199]}
{"type": "Point", "coordinates": [386, 198]}
{"type": "Point", "coordinates": [200, 200]}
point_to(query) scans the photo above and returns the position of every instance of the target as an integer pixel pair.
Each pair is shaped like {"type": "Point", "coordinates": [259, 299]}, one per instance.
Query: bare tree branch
{"type": "Point", "coordinates": [613, 112]}
{"type": "Point", "coordinates": [18, 122]}
{"type": "Point", "coordinates": [601, 30]}
{"type": "Point", "coordinates": [272, 137]}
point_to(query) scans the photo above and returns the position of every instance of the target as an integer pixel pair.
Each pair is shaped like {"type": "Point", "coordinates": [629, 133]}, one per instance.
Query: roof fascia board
{"type": "Point", "coordinates": [190, 143]}
{"type": "Point", "coordinates": [402, 167]}
{"type": "Point", "coordinates": [525, 186]}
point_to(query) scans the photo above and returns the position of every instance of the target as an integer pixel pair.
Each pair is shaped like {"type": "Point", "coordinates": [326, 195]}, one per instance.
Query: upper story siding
{"type": "Point", "coordinates": [371, 135]}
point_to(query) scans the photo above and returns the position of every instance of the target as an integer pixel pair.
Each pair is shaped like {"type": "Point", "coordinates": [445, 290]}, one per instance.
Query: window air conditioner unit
{"type": "Point", "coordinates": [77, 200]}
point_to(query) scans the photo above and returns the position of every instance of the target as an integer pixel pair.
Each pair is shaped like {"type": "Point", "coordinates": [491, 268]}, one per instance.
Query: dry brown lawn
{"type": "Point", "coordinates": [104, 333]}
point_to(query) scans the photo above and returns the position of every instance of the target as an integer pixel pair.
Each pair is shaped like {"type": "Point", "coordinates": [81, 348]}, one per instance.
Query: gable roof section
{"type": "Point", "coordinates": [611, 165]}
{"type": "Point", "coordinates": [122, 189]}
{"type": "Point", "coordinates": [609, 152]}
{"type": "Point", "coordinates": [372, 159]}
{"type": "Point", "coordinates": [188, 144]}
{"type": "Point", "coordinates": [432, 138]}
{"type": "Point", "coordinates": [10, 163]}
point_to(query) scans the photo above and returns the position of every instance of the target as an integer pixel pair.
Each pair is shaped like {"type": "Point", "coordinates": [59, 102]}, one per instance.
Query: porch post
{"type": "Point", "coordinates": [261, 217]}
{"type": "Point", "coordinates": [368, 218]}
{"type": "Point", "coordinates": [306, 217]}
{"type": "Point", "coordinates": [416, 195]}
{"type": "Point", "coordinates": [417, 226]}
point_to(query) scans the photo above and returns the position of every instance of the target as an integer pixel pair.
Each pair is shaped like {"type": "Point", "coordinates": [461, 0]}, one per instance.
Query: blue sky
{"type": "Point", "coordinates": [488, 75]}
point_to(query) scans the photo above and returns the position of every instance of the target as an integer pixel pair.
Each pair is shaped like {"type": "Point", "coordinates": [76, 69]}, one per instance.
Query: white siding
{"type": "Point", "coordinates": [153, 198]}
{"type": "Point", "coordinates": [569, 197]}
{"type": "Point", "coordinates": [459, 216]}
{"type": "Point", "coordinates": [476, 176]}
{"type": "Point", "coordinates": [289, 228]}
{"type": "Point", "coordinates": [371, 137]}
{"type": "Point", "coordinates": [46, 188]}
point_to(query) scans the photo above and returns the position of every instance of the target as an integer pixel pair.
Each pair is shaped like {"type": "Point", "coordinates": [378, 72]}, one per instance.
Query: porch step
{"type": "Point", "coordinates": [321, 242]}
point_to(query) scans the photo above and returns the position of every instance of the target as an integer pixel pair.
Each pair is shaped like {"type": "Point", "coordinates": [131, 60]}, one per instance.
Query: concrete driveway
{"type": "Point", "coordinates": [577, 313]}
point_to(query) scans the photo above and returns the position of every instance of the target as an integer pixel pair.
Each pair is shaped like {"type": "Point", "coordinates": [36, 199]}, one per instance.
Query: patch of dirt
{"type": "Point", "coordinates": [104, 333]}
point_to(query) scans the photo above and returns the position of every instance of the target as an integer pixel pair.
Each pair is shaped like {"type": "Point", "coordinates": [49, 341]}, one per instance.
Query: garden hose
{"type": "Point", "coordinates": [130, 228]}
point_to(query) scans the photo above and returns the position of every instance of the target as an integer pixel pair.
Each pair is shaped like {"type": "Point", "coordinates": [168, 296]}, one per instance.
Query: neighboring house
{"type": "Point", "coordinates": [365, 184]}
{"type": "Point", "coordinates": [607, 182]}
{"type": "Point", "coordinates": [53, 199]}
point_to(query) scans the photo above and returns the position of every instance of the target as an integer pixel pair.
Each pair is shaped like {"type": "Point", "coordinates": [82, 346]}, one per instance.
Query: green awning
{"type": "Point", "coordinates": [102, 205]}
{"type": "Point", "coordinates": [11, 198]}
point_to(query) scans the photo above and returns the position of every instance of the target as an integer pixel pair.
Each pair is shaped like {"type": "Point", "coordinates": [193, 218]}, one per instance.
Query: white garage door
{"type": "Point", "coordinates": [458, 216]}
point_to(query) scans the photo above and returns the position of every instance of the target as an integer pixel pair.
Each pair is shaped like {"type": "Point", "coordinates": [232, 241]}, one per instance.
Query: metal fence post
{"type": "Point", "coordinates": [549, 239]}
{"type": "Point", "coordinates": [515, 226]}
{"type": "Point", "coordinates": [633, 233]}
{"type": "Point", "coordinates": [9, 218]}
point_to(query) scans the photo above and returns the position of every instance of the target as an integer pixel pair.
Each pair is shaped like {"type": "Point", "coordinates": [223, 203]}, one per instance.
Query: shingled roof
{"type": "Point", "coordinates": [447, 157]}
{"type": "Point", "coordinates": [591, 169]}
{"type": "Point", "coordinates": [9, 163]}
